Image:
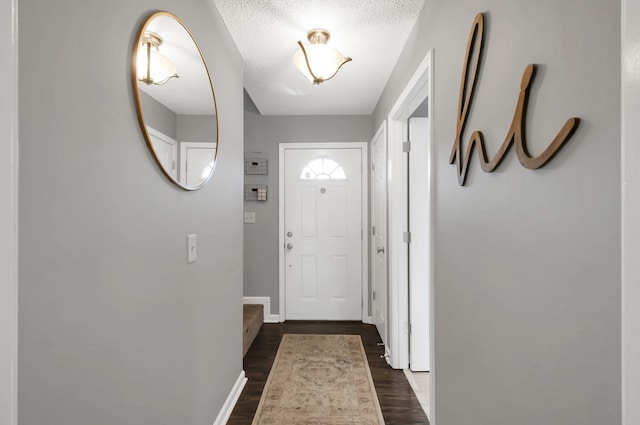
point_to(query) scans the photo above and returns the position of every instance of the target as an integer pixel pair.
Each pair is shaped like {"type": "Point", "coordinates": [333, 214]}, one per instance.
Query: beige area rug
{"type": "Point", "coordinates": [319, 380]}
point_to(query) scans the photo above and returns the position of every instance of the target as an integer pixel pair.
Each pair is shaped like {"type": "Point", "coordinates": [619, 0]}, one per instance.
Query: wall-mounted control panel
{"type": "Point", "coordinates": [250, 217]}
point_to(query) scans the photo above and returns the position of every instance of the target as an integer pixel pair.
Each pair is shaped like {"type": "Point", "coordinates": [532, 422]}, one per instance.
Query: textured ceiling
{"type": "Point", "coordinates": [266, 31]}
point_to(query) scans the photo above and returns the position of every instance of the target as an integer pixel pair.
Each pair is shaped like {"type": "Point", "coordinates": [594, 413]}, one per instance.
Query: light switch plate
{"type": "Point", "coordinates": [192, 253]}
{"type": "Point", "coordinates": [250, 217]}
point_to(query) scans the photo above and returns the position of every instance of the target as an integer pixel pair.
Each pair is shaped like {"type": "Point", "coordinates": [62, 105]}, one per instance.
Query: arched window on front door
{"type": "Point", "coordinates": [323, 169]}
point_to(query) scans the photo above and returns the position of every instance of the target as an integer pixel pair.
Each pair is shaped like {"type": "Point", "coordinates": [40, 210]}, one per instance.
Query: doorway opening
{"type": "Point", "coordinates": [410, 218]}
{"type": "Point", "coordinates": [323, 243]}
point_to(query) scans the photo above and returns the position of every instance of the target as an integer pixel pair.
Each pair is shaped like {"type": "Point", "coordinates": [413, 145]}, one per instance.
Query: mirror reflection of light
{"type": "Point", "coordinates": [179, 111]}
{"type": "Point", "coordinates": [153, 67]}
{"type": "Point", "coordinates": [207, 170]}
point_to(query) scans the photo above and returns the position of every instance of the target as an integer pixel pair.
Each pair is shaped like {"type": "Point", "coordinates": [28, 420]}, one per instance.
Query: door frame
{"type": "Point", "coordinates": [630, 178]}
{"type": "Point", "coordinates": [152, 132]}
{"type": "Point", "coordinates": [363, 146]}
{"type": "Point", "coordinates": [381, 135]}
{"type": "Point", "coordinates": [183, 157]}
{"type": "Point", "coordinates": [9, 214]}
{"type": "Point", "coordinates": [419, 86]}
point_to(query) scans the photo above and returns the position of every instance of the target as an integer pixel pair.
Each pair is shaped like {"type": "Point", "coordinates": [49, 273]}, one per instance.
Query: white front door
{"type": "Point", "coordinates": [379, 278]}
{"type": "Point", "coordinates": [323, 234]}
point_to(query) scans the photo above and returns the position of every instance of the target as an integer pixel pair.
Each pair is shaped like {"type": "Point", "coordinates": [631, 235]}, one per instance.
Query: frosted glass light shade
{"type": "Point", "coordinates": [152, 66]}
{"type": "Point", "coordinates": [323, 61]}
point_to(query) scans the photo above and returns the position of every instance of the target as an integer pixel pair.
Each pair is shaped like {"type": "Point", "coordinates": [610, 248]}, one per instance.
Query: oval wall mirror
{"type": "Point", "coordinates": [175, 100]}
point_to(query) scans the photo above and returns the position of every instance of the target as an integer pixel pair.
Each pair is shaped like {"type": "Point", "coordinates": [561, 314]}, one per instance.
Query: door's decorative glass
{"type": "Point", "coordinates": [323, 169]}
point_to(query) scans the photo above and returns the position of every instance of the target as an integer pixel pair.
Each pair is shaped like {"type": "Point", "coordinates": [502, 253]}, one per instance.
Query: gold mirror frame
{"type": "Point", "coordinates": [142, 35]}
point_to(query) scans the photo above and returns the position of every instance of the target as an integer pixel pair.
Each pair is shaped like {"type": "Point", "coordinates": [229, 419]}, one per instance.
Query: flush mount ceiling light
{"type": "Point", "coordinates": [152, 66]}
{"type": "Point", "coordinates": [318, 62]}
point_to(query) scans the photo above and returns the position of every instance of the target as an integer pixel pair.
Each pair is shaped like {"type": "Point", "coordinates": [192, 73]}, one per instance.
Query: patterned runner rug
{"type": "Point", "coordinates": [319, 380]}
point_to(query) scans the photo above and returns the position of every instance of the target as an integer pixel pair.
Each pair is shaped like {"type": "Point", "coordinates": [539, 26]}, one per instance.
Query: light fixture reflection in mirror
{"type": "Point", "coordinates": [153, 66]}
{"type": "Point", "coordinates": [178, 116]}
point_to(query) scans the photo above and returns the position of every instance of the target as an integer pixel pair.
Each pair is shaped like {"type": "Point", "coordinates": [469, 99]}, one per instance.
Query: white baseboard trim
{"type": "Point", "coordinates": [232, 399]}
{"type": "Point", "coordinates": [368, 320]}
{"type": "Point", "coordinates": [266, 302]}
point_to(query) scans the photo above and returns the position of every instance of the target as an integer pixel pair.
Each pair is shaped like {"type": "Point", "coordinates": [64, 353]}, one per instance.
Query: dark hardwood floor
{"type": "Point", "coordinates": [397, 400]}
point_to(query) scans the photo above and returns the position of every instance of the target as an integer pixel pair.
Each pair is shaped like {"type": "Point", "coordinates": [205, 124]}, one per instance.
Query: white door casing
{"type": "Point", "coordinates": [419, 225]}
{"type": "Point", "coordinates": [379, 278]}
{"type": "Point", "coordinates": [630, 62]}
{"type": "Point", "coordinates": [419, 87]}
{"type": "Point", "coordinates": [323, 273]}
{"type": "Point", "coordinates": [165, 149]}
{"type": "Point", "coordinates": [9, 212]}
{"type": "Point", "coordinates": [196, 163]}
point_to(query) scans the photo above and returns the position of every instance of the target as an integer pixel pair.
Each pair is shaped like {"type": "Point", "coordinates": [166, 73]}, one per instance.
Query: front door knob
{"type": "Point", "coordinates": [289, 246]}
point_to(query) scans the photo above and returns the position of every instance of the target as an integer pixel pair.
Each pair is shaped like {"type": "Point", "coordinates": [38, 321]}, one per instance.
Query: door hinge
{"type": "Point", "coordinates": [373, 167]}
{"type": "Point", "coordinates": [373, 230]}
{"type": "Point", "coordinates": [373, 295]}
{"type": "Point", "coordinates": [406, 147]}
{"type": "Point", "coordinates": [409, 328]}
{"type": "Point", "coordinates": [406, 237]}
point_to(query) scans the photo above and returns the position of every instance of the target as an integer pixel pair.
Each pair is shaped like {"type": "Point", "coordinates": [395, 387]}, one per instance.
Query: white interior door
{"type": "Point", "coordinates": [419, 225]}
{"type": "Point", "coordinates": [379, 278]}
{"type": "Point", "coordinates": [166, 150]}
{"type": "Point", "coordinates": [323, 234]}
{"type": "Point", "coordinates": [196, 162]}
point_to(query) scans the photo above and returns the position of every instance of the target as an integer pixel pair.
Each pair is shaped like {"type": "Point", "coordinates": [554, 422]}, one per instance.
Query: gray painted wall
{"type": "Point", "coordinates": [158, 116]}
{"type": "Point", "coordinates": [263, 134]}
{"type": "Point", "coordinates": [115, 327]}
{"type": "Point", "coordinates": [196, 128]}
{"type": "Point", "coordinates": [527, 263]}
{"type": "Point", "coordinates": [630, 213]}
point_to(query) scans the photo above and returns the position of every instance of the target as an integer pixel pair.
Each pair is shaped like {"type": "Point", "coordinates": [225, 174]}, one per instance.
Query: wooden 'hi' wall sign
{"type": "Point", "coordinates": [516, 133]}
